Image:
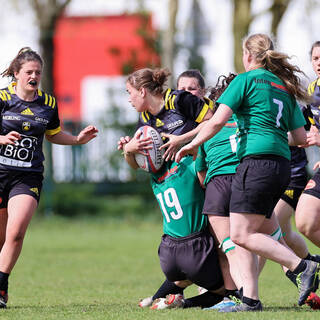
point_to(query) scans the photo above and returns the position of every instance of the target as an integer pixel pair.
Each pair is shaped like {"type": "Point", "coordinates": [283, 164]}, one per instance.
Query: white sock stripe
{"type": "Point", "coordinates": [277, 235]}
{"type": "Point", "coordinates": [227, 245]}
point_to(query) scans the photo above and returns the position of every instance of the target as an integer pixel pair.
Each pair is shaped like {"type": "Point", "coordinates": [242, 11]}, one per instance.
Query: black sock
{"type": "Point", "coordinates": [300, 267]}
{"type": "Point", "coordinates": [249, 301]}
{"type": "Point", "coordinates": [240, 293]}
{"type": "Point", "coordinates": [166, 288]}
{"type": "Point", "coordinates": [204, 300]}
{"type": "Point", "coordinates": [229, 293]}
{"type": "Point", "coordinates": [292, 277]}
{"type": "Point", "coordinates": [308, 257]}
{"type": "Point", "coordinates": [314, 257]}
{"type": "Point", "coordinates": [4, 281]}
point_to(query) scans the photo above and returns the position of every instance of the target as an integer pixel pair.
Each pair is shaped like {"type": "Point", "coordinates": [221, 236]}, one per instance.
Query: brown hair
{"type": "Point", "coordinates": [261, 47]}
{"type": "Point", "coordinates": [314, 45]}
{"type": "Point", "coordinates": [193, 73]}
{"type": "Point", "coordinates": [221, 85]}
{"type": "Point", "coordinates": [152, 79]}
{"type": "Point", "coordinates": [25, 54]}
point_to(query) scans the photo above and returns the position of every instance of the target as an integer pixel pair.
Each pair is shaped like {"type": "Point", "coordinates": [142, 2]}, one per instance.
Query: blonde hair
{"type": "Point", "coordinates": [261, 47]}
{"type": "Point", "coordinates": [152, 79]}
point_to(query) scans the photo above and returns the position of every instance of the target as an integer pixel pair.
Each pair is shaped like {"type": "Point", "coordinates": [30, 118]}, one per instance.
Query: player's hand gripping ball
{"type": "Point", "coordinates": [152, 161]}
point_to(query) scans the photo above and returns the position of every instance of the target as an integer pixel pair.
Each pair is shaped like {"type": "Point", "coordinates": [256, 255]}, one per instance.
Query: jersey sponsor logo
{"type": "Point", "coordinates": [175, 124]}
{"type": "Point", "coordinates": [315, 112]}
{"type": "Point", "coordinates": [311, 184]}
{"type": "Point", "coordinates": [27, 112]}
{"type": "Point", "coordinates": [26, 126]}
{"type": "Point", "coordinates": [35, 190]}
{"type": "Point", "coordinates": [159, 123]}
{"type": "Point", "coordinates": [10, 118]}
{"type": "Point", "coordinates": [41, 120]}
{"type": "Point", "coordinates": [20, 154]}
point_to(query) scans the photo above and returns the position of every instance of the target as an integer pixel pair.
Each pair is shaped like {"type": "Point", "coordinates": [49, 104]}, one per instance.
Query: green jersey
{"type": "Point", "coordinates": [265, 112]}
{"type": "Point", "coordinates": [218, 154]}
{"type": "Point", "coordinates": [180, 197]}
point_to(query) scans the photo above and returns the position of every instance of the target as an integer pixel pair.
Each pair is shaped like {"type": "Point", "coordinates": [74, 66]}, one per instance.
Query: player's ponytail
{"type": "Point", "coordinates": [261, 47]}
{"type": "Point", "coordinates": [152, 79]}
{"type": "Point", "coordinates": [25, 54]}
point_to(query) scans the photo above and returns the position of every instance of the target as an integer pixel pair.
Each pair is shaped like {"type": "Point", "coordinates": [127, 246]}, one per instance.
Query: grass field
{"type": "Point", "coordinates": [99, 268]}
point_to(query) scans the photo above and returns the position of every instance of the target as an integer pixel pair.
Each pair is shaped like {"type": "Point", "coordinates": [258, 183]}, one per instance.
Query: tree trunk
{"type": "Point", "coordinates": [277, 10]}
{"type": "Point", "coordinates": [168, 51]}
{"type": "Point", "coordinates": [242, 19]}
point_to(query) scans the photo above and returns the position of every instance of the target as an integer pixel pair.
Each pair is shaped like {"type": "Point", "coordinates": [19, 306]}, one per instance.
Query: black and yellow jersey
{"type": "Point", "coordinates": [313, 109]}
{"type": "Point", "coordinates": [32, 120]}
{"type": "Point", "coordinates": [181, 113]}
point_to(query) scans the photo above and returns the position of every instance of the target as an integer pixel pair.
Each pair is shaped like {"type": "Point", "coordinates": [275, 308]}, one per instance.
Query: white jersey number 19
{"type": "Point", "coordinates": [171, 200]}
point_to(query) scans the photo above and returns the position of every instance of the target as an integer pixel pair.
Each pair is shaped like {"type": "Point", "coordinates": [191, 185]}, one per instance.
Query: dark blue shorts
{"type": "Point", "coordinates": [193, 258]}
{"type": "Point", "coordinates": [218, 194]}
{"type": "Point", "coordinates": [313, 186]}
{"type": "Point", "coordinates": [259, 183]}
{"type": "Point", "coordinates": [13, 183]}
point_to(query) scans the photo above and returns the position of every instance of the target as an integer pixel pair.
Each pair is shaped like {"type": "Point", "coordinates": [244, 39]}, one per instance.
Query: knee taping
{"type": "Point", "coordinates": [227, 245]}
{"type": "Point", "coordinates": [277, 235]}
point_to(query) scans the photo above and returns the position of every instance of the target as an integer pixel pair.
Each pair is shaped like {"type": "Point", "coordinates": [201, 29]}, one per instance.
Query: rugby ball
{"type": "Point", "coordinates": [153, 161]}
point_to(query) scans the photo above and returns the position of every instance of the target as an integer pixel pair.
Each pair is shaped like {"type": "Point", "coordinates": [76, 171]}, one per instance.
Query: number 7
{"type": "Point", "coordinates": [280, 108]}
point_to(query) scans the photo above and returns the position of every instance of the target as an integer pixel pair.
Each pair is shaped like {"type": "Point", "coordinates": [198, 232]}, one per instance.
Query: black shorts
{"type": "Point", "coordinates": [258, 184]}
{"type": "Point", "coordinates": [218, 194]}
{"type": "Point", "coordinates": [193, 258]}
{"type": "Point", "coordinates": [13, 183]}
{"type": "Point", "coordinates": [313, 186]}
{"type": "Point", "coordinates": [291, 196]}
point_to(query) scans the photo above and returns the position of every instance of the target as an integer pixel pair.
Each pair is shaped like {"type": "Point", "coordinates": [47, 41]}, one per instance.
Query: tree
{"type": "Point", "coordinates": [242, 19]}
{"type": "Point", "coordinates": [168, 44]}
{"type": "Point", "coordinates": [47, 13]}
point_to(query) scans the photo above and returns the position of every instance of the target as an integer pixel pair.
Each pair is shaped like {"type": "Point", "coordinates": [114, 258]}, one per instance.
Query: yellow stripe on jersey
{"type": "Point", "coordinates": [312, 86]}
{"type": "Point", "coordinates": [54, 102]}
{"type": "Point", "coordinates": [202, 113]}
{"type": "Point", "coordinates": [145, 116]}
{"type": "Point", "coordinates": [166, 99]}
{"type": "Point", "coordinates": [167, 95]}
{"type": "Point", "coordinates": [171, 99]}
{"type": "Point", "coordinates": [311, 121]}
{"type": "Point", "coordinates": [39, 93]}
{"type": "Point", "coordinates": [52, 132]}
{"type": "Point", "coordinates": [8, 95]}
{"type": "Point", "coordinates": [2, 96]}
{"type": "Point", "coordinates": [45, 99]}
{"type": "Point", "coordinates": [209, 103]}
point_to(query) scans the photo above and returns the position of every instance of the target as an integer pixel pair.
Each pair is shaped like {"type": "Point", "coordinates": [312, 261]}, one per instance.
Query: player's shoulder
{"type": "Point", "coordinates": [6, 93]}
{"type": "Point", "coordinates": [47, 99]}
{"type": "Point", "coordinates": [312, 85]}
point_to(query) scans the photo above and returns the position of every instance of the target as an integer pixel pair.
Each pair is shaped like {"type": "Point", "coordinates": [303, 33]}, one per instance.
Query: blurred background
{"type": "Point", "coordinates": [89, 47]}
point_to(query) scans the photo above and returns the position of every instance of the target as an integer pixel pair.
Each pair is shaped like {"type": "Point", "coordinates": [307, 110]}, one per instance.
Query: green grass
{"type": "Point", "coordinates": [99, 268]}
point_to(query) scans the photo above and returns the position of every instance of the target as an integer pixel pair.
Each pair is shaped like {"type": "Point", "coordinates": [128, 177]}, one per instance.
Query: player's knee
{"type": "Point", "coordinates": [306, 228]}
{"type": "Point", "coordinates": [238, 238]}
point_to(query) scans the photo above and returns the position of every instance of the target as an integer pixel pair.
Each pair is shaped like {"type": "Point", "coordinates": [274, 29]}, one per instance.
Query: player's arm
{"type": "Point", "coordinates": [132, 146]}
{"type": "Point", "coordinates": [65, 138]}
{"type": "Point", "coordinates": [298, 137]}
{"type": "Point", "coordinates": [201, 166]}
{"type": "Point", "coordinates": [210, 128]}
{"type": "Point", "coordinates": [175, 142]}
